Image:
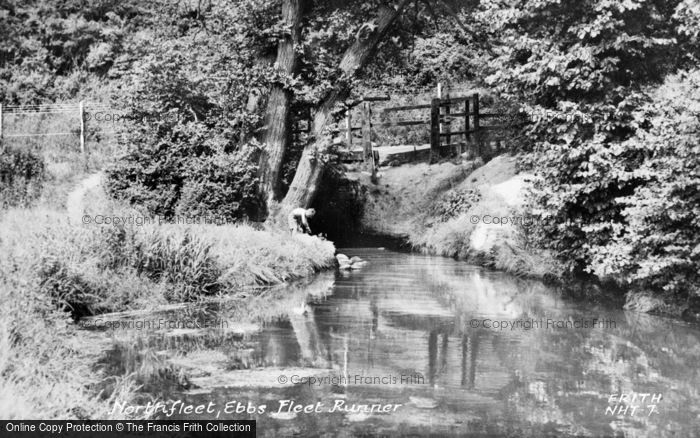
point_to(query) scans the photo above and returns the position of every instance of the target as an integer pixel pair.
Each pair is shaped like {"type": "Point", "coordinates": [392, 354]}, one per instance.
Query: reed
{"type": "Point", "coordinates": [43, 371]}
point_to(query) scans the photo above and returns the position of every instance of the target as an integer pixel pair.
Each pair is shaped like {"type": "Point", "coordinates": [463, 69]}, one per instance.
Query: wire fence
{"type": "Point", "coordinates": [72, 125]}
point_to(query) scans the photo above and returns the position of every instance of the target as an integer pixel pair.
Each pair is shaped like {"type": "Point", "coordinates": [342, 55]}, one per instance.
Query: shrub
{"type": "Point", "coordinates": [605, 199]}
{"type": "Point", "coordinates": [223, 185]}
{"type": "Point", "coordinates": [185, 155]}
{"type": "Point", "coordinates": [455, 203]}
{"type": "Point", "coordinates": [22, 175]}
{"type": "Point", "coordinates": [659, 245]}
{"type": "Point", "coordinates": [167, 184]}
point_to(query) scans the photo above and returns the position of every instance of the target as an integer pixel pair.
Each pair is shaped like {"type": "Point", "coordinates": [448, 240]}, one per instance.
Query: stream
{"type": "Point", "coordinates": [412, 345]}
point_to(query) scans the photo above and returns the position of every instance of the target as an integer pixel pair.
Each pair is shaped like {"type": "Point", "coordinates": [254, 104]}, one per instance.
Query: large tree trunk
{"type": "Point", "coordinates": [312, 164]}
{"type": "Point", "coordinates": [275, 130]}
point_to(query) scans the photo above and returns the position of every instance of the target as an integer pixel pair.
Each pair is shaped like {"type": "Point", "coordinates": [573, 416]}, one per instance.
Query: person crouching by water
{"type": "Point", "coordinates": [299, 220]}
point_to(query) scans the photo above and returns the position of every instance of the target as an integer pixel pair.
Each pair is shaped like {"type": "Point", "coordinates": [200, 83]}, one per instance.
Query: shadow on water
{"type": "Point", "coordinates": [418, 332]}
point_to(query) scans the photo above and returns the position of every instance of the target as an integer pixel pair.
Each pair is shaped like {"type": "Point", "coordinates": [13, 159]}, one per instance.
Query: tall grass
{"type": "Point", "coordinates": [92, 269]}
{"type": "Point", "coordinates": [43, 374]}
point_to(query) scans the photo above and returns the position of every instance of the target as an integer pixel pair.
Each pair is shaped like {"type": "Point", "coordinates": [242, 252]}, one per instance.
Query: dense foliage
{"type": "Point", "coordinates": [49, 51]}
{"type": "Point", "coordinates": [22, 175]}
{"type": "Point", "coordinates": [217, 93]}
{"type": "Point", "coordinates": [659, 246]}
{"type": "Point", "coordinates": [582, 71]}
{"type": "Point", "coordinates": [182, 154]}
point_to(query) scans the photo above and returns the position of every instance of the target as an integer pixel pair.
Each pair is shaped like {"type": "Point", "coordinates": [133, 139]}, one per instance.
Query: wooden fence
{"type": "Point", "coordinates": [454, 123]}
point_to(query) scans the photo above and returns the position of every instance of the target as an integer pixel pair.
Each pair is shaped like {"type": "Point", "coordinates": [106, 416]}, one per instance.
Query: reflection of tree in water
{"type": "Point", "coordinates": [413, 315]}
{"type": "Point", "coordinates": [470, 351]}
{"type": "Point", "coordinates": [568, 375]}
{"type": "Point", "coordinates": [437, 357]}
{"type": "Point", "coordinates": [565, 376]}
{"type": "Point", "coordinates": [276, 346]}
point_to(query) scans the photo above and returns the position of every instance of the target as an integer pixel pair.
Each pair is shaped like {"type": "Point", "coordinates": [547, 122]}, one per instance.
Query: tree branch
{"type": "Point", "coordinates": [355, 58]}
{"type": "Point", "coordinates": [310, 170]}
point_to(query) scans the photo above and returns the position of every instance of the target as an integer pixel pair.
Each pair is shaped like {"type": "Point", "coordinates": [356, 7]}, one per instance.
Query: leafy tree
{"type": "Point", "coordinates": [659, 247]}
{"type": "Point", "coordinates": [582, 70]}
{"type": "Point", "coordinates": [277, 124]}
{"type": "Point", "coordinates": [335, 57]}
{"type": "Point", "coordinates": [319, 50]}
{"type": "Point", "coordinates": [47, 46]}
{"type": "Point", "coordinates": [186, 153]}
{"type": "Point", "coordinates": [312, 162]}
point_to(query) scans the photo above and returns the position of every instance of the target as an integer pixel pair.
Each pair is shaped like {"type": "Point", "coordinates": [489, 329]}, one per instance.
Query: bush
{"type": "Point", "coordinates": [185, 155]}
{"type": "Point", "coordinates": [223, 185]}
{"type": "Point", "coordinates": [455, 203]}
{"type": "Point", "coordinates": [602, 152]}
{"type": "Point", "coordinates": [659, 246]}
{"type": "Point", "coordinates": [169, 182]}
{"type": "Point", "coordinates": [22, 176]}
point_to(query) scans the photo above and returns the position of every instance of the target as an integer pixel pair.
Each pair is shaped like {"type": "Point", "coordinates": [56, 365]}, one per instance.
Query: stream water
{"type": "Point", "coordinates": [427, 345]}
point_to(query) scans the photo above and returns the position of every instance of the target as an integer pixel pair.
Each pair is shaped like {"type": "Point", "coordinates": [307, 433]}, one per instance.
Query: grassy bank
{"type": "Point", "coordinates": [53, 267]}
{"type": "Point", "coordinates": [435, 209]}
{"type": "Point", "coordinates": [43, 372]}
{"type": "Point", "coordinates": [90, 269]}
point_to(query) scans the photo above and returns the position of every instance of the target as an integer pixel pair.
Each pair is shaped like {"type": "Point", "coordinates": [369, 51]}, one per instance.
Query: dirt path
{"type": "Point", "coordinates": [75, 203]}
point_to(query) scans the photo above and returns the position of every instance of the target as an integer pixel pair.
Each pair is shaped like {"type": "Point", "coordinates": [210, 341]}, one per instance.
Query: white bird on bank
{"type": "Point", "coordinates": [345, 263]}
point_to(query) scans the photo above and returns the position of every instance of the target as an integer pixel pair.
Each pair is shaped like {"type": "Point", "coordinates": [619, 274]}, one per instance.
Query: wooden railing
{"type": "Point", "coordinates": [444, 113]}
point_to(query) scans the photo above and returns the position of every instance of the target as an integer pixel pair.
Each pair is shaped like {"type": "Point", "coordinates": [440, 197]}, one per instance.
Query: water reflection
{"type": "Point", "coordinates": [413, 317]}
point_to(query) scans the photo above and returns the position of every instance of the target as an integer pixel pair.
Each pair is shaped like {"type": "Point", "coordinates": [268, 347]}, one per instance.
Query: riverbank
{"type": "Point", "coordinates": [55, 266]}
{"type": "Point", "coordinates": [468, 211]}
{"type": "Point", "coordinates": [43, 371]}
{"type": "Point", "coordinates": [477, 212]}
{"type": "Point", "coordinates": [102, 256]}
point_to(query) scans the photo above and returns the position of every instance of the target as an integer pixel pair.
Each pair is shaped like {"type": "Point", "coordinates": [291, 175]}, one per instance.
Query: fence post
{"type": "Point", "coordinates": [477, 134]}
{"type": "Point", "coordinates": [434, 130]}
{"type": "Point", "coordinates": [467, 135]}
{"type": "Point", "coordinates": [367, 133]}
{"type": "Point", "coordinates": [82, 128]}
{"type": "Point", "coordinates": [348, 127]}
{"type": "Point", "coordinates": [446, 124]}
{"type": "Point", "coordinates": [442, 127]}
